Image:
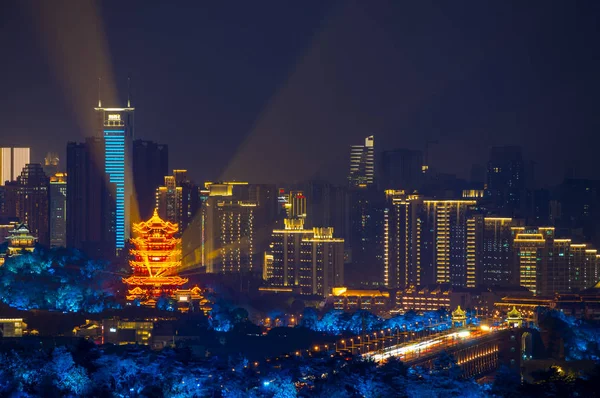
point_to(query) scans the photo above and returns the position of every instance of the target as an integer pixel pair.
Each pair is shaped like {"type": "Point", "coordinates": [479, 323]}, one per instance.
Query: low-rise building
{"type": "Point", "coordinates": [373, 300]}
{"type": "Point", "coordinates": [121, 332]}
{"type": "Point", "coordinates": [12, 327]}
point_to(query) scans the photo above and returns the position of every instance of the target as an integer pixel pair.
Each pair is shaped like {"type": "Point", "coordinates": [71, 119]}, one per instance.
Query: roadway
{"type": "Point", "coordinates": [430, 345]}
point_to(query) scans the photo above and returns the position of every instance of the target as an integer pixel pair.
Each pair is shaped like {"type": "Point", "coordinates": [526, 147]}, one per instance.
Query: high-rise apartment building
{"type": "Point", "coordinates": [12, 162]}
{"type": "Point", "coordinates": [58, 210]}
{"type": "Point", "coordinates": [32, 201]}
{"type": "Point", "coordinates": [550, 265]}
{"type": "Point", "coordinates": [116, 127]}
{"type": "Point", "coordinates": [506, 179]}
{"type": "Point", "coordinates": [367, 219]}
{"type": "Point", "coordinates": [402, 231]}
{"type": "Point", "coordinates": [495, 251]}
{"type": "Point", "coordinates": [429, 241]}
{"type": "Point", "coordinates": [150, 166]}
{"type": "Point", "coordinates": [90, 204]}
{"type": "Point", "coordinates": [401, 169]}
{"type": "Point", "coordinates": [178, 200]}
{"type": "Point", "coordinates": [362, 164]}
{"type": "Point", "coordinates": [447, 243]}
{"type": "Point", "coordinates": [311, 260]}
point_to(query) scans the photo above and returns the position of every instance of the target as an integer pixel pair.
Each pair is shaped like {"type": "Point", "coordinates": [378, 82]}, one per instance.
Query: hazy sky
{"type": "Point", "coordinates": [277, 91]}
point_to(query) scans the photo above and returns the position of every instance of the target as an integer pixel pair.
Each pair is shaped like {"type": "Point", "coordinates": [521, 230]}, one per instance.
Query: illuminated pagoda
{"type": "Point", "coordinates": [155, 258]}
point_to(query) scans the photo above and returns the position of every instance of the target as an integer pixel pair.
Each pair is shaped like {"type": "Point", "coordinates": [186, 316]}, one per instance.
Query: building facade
{"type": "Point", "coordinates": [550, 265]}
{"type": "Point", "coordinates": [178, 200]}
{"type": "Point", "coordinates": [150, 166]}
{"type": "Point", "coordinates": [362, 164]}
{"type": "Point", "coordinates": [32, 201]}
{"type": "Point", "coordinates": [506, 179]}
{"type": "Point", "coordinates": [310, 260]}
{"type": "Point", "coordinates": [90, 202]}
{"type": "Point", "coordinates": [58, 210]}
{"type": "Point", "coordinates": [116, 127]}
{"type": "Point", "coordinates": [401, 169]}
{"type": "Point", "coordinates": [12, 161]}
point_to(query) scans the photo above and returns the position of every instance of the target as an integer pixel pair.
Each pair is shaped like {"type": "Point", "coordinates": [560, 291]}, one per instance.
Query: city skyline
{"type": "Point", "coordinates": [466, 106]}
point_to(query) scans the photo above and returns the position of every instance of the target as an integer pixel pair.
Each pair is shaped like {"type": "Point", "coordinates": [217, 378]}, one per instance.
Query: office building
{"type": "Point", "coordinates": [150, 166]}
{"type": "Point", "coordinates": [401, 169]}
{"type": "Point", "coordinates": [32, 201]}
{"type": "Point", "coordinates": [362, 164]}
{"type": "Point", "coordinates": [58, 210]}
{"type": "Point", "coordinates": [311, 260]}
{"type": "Point", "coordinates": [506, 179]}
{"type": "Point", "coordinates": [12, 161]}
{"type": "Point", "coordinates": [116, 127]}
{"type": "Point", "coordinates": [90, 204]}
{"type": "Point", "coordinates": [178, 200]}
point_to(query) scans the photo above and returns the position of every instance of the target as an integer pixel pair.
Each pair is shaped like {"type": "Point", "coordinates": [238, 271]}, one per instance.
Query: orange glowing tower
{"type": "Point", "coordinates": [155, 259]}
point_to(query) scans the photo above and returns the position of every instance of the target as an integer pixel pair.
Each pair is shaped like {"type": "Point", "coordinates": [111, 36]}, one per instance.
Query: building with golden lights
{"type": "Point", "coordinates": [549, 265]}
{"type": "Point", "coordinates": [429, 241]}
{"type": "Point", "coordinates": [19, 240]}
{"type": "Point", "coordinates": [233, 229]}
{"type": "Point", "coordinates": [155, 260]}
{"type": "Point", "coordinates": [309, 259]}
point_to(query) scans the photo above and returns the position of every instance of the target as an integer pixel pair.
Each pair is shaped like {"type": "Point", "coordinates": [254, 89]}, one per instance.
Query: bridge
{"type": "Point", "coordinates": [477, 349]}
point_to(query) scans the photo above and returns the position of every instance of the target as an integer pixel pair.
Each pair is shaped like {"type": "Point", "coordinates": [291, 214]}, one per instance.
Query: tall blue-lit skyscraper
{"type": "Point", "coordinates": [116, 126]}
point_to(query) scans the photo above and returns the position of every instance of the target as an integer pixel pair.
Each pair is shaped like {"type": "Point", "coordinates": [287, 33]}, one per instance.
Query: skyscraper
{"type": "Point", "coordinates": [506, 179]}
{"type": "Point", "coordinates": [116, 127]}
{"type": "Point", "coordinates": [311, 260]}
{"type": "Point", "coordinates": [448, 243]}
{"type": "Point", "coordinates": [90, 205]}
{"type": "Point", "coordinates": [495, 253]}
{"type": "Point", "coordinates": [328, 204]}
{"type": "Point", "coordinates": [402, 231]}
{"type": "Point", "coordinates": [401, 169]}
{"type": "Point", "coordinates": [12, 161]}
{"type": "Point", "coordinates": [362, 164]}
{"type": "Point", "coordinates": [32, 201]}
{"type": "Point", "coordinates": [58, 210]}
{"type": "Point", "coordinates": [178, 200]}
{"type": "Point", "coordinates": [150, 165]}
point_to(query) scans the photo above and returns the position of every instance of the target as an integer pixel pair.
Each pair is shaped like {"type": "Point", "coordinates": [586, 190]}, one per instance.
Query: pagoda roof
{"type": "Point", "coordinates": [155, 222]}
{"type": "Point", "coordinates": [458, 312]}
{"type": "Point", "coordinates": [514, 314]}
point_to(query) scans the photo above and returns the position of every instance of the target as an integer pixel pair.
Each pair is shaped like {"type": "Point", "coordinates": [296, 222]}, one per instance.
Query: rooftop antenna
{"type": "Point", "coordinates": [129, 91]}
{"type": "Point", "coordinates": [99, 100]}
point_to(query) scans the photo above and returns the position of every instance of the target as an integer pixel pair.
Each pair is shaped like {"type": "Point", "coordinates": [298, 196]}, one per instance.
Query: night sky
{"type": "Point", "coordinates": [277, 91]}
